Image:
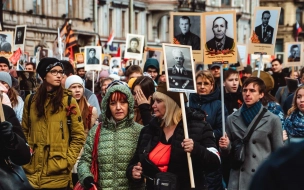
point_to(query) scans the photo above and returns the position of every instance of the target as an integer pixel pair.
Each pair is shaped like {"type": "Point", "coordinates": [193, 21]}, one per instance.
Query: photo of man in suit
{"type": "Point", "coordinates": [186, 37]}
{"type": "Point", "coordinates": [134, 43]}
{"type": "Point", "coordinates": [220, 41]}
{"type": "Point", "coordinates": [294, 53]}
{"type": "Point", "coordinates": [5, 45]}
{"type": "Point", "coordinates": [264, 31]}
{"type": "Point", "coordinates": [179, 76]}
{"type": "Point", "coordinates": [19, 35]}
{"type": "Point", "coordinates": [92, 59]}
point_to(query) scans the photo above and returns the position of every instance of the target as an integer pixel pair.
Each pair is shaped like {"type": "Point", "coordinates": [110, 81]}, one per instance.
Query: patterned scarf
{"type": "Point", "coordinates": [249, 113]}
{"type": "Point", "coordinates": [294, 124]}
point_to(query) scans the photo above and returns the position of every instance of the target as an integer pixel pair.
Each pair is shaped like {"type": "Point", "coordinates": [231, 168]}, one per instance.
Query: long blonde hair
{"type": "Point", "coordinates": [294, 106]}
{"type": "Point", "coordinates": [173, 112]}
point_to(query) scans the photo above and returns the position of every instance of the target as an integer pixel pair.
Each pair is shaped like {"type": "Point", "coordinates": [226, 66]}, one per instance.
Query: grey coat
{"type": "Point", "coordinates": [266, 138]}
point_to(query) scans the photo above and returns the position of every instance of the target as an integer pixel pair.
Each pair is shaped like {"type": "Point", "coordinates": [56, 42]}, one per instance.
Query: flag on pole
{"type": "Point", "coordinates": [298, 29]}
{"type": "Point", "coordinates": [110, 38]}
{"type": "Point", "coordinates": [16, 56]}
{"type": "Point", "coordinates": [70, 42]}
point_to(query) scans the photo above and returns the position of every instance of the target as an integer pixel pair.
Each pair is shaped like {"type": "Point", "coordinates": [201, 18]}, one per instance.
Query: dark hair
{"type": "Point", "coordinates": [230, 72]}
{"type": "Point", "coordinates": [268, 98]}
{"type": "Point", "coordinates": [219, 18]}
{"type": "Point", "coordinates": [41, 96]}
{"type": "Point", "coordinates": [92, 49]}
{"type": "Point", "coordinates": [255, 81]}
{"type": "Point", "coordinates": [265, 12]}
{"type": "Point", "coordinates": [12, 93]}
{"type": "Point", "coordinates": [294, 46]}
{"type": "Point", "coordinates": [278, 60]}
{"type": "Point", "coordinates": [186, 18]}
{"type": "Point", "coordinates": [146, 84]}
{"type": "Point", "coordinates": [68, 68]}
{"type": "Point", "coordinates": [30, 63]}
{"type": "Point", "coordinates": [134, 39]}
{"type": "Point", "coordinates": [133, 69]}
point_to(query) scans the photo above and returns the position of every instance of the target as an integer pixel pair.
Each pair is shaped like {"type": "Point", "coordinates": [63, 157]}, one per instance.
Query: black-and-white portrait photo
{"type": "Point", "coordinates": [106, 60]}
{"type": "Point", "coordinates": [219, 34]}
{"type": "Point", "coordinates": [134, 46]}
{"type": "Point", "coordinates": [6, 41]}
{"type": "Point", "coordinates": [92, 58]}
{"type": "Point", "coordinates": [294, 54]}
{"type": "Point", "coordinates": [279, 55]}
{"type": "Point", "coordinates": [187, 31]}
{"type": "Point", "coordinates": [115, 65]}
{"type": "Point", "coordinates": [265, 24]}
{"type": "Point", "coordinates": [43, 53]}
{"type": "Point", "coordinates": [19, 35]}
{"type": "Point", "coordinates": [179, 67]}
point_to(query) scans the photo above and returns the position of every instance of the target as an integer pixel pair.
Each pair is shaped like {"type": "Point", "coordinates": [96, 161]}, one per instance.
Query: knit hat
{"type": "Point", "coordinates": [247, 69]}
{"type": "Point", "coordinates": [210, 66]}
{"type": "Point", "coordinates": [46, 64]}
{"type": "Point", "coordinates": [267, 78]}
{"type": "Point", "coordinates": [5, 77]}
{"type": "Point", "coordinates": [4, 60]}
{"type": "Point", "coordinates": [131, 82]}
{"type": "Point", "coordinates": [151, 62]}
{"type": "Point", "coordinates": [162, 87]}
{"type": "Point", "coordinates": [104, 74]}
{"type": "Point", "coordinates": [72, 80]}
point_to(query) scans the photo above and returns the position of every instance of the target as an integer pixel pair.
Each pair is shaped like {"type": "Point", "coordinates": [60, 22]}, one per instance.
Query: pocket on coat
{"type": "Point", "coordinates": [57, 163]}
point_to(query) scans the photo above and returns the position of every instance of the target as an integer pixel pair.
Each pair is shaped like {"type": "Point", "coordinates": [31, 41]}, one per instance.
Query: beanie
{"type": "Point", "coordinates": [162, 87]}
{"type": "Point", "coordinates": [267, 78]}
{"type": "Point", "coordinates": [247, 69]}
{"type": "Point", "coordinates": [131, 82]}
{"type": "Point", "coordinates": [104, 74]}
{"type": "Point", "coordinates": [72, 80]}
{"type": "Point", "coordinates": [5, 77]}
{"type": "Point", "coordinates": [5, 61]}
{"type": "Point", "coordinates": [151, 62]}
{"type": "Point", "coordinates": [46, 64]}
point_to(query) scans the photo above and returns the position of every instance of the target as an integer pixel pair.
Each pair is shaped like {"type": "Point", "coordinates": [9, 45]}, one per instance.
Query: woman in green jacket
{"type": "Point", "coordinates": [53, 127]}
{"type": "Point", "coordinates": [117, 141]}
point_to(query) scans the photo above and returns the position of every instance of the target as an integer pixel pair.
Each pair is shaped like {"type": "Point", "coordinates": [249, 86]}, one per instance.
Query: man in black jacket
{"type": "Point", "coordinates": [264, 31]}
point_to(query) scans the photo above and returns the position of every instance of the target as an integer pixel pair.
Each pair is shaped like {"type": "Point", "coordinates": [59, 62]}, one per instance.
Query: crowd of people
{"type": "Point", "coordinates": [141, 142]}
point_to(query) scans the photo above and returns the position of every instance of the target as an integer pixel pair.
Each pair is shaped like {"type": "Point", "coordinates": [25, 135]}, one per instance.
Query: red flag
{"type": "Point", "coordinates": [16, 56]}
{"type": "Point", "coordinates": [118, 52]}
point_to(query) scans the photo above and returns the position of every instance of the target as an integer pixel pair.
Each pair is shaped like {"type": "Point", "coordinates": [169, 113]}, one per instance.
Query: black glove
{"type": "Point", "coordinates": [6, 131]}
{"type": "Point", "coordinates": [88, 182]}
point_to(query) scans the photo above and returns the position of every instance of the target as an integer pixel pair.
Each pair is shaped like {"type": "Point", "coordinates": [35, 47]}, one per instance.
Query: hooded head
{"type": "Point", "coordinates": [106, 116]}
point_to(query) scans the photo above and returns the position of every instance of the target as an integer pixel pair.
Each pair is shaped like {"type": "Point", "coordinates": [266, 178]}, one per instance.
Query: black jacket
{"type": "Point", "coordinates": [258, 31]}
{"type": "Point", "coordinates": [211, 44]}
{"type": "Point", "coordinates": [233, 100]}
{"type": "Point", "coordinates": [189, 39]}
{"type": "Point", "coordinates": [202, 158]}
{"type": "Point", "coordinates": [17, 150]}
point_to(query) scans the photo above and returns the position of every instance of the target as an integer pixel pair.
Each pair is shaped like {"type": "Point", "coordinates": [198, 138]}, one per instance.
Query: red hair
{"type": "Point", "coordinates": [115, 96]}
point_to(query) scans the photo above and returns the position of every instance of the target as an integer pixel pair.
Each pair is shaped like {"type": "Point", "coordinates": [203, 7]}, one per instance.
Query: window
{"type": "Point", "coordinates": [136, 21]}
{"type": "Point", "coordinates": [226, 3]}
{"type": "Point", "coordinates": [299, 16]}
{"type": "Point", "coordinates": [110, 20]}
{"type": "Point", "coordinates": [281, 19]}
{"type": "Point", "coordinates": [279, 45]}
{"type": "Point", "coordinates": [123, 25]}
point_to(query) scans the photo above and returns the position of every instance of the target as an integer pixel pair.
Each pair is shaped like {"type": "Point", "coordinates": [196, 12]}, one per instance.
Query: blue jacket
{"type": "Point", "coordinates": [213, 108]}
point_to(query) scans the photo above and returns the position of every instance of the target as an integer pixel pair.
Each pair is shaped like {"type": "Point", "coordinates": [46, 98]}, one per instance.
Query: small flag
{"type": "Point", "coordinates": [298, 29]}
{"type": "Point", "coordinates": [110, 38]}
{"type": "Point", "coordinates": [16, 56]}
{"type": "Point", "coordinates": [70, 42]}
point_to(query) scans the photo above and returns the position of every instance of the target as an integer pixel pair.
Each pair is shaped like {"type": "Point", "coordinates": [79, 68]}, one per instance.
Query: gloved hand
{"type": "Point", "coordinates": [88, 182]}
{"type": "Point", "coordinates": [6, 131]}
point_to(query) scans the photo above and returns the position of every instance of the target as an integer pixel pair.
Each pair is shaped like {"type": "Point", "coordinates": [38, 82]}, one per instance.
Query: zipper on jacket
{"type": "Point", "coordinates": [61, 127]}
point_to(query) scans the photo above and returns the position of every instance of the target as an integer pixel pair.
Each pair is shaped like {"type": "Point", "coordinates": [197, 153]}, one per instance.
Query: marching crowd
{"type": "Point", "coordinates": [133, 128]}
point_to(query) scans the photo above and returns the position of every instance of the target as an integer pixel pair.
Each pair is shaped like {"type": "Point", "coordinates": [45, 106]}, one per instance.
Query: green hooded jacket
{"type": "Point", "coordinates": [117, 144]}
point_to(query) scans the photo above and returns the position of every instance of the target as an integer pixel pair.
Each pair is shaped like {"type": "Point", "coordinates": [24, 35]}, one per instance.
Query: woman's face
{"type": "Point", "coordinates": [300, 100]}
{"type": "Point", "coordinates": [77, 90]}
{"type": "Point", "coordinates": [5, 84]}
{"type": "Point", "coordinates": [54, 76]}
{"type": "Point", "coordinates": [104, 86]}
{"type": "Point", "coordinates": [203, 85]}
{"type": "Point", "coordinates": [119, 109]}
{"type": "Point", "coordinates": [159, 108]}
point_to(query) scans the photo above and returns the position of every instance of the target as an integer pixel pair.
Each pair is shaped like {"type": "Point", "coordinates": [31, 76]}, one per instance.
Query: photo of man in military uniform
{"type": "Point", "coordinates": [178, 75]}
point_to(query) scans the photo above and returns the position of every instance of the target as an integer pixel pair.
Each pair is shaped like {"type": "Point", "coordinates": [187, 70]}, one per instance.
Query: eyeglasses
{"type": "Point", "coordinates": [116, 82]}
{"type": "Point", "coordinates": [48, 68]}
{"type": "Point", "coordinates": [56, 72]}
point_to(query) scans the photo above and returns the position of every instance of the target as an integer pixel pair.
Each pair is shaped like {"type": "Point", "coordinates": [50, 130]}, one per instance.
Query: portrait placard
{"type": "Point", "coordinates": [280, 55]}
{"type": "Point", "coordinates": [6, 46]}
{"type": "Point", "coordinates": [134, 46]}
{"type": "Point", "coordinates": [115, 65]}
{"type": "Point", "coordinates": [219, 37]}
{"type": "Point", "coordinates": [27, 80]}
{"type": "Point", "coordinates": [179, 67]}
{"type": "Point", "coordinates": [293, 54]}
{"type": "Point", "coordinates": [19, 39]}
{"type": "Point", "coordinates": [264, 30]}
{"type": "Point", "coordinates": [79, 58]}
{"type": "Point", "coordinates": [156, 53]}
{"type": "Point", "coordinates": [106, 58]}
{"type": "Point", "coordinates": [185, 29]}
{"type": "Point", "coordinates": [92, 58]}
{"type": "Point", "coordinates": [122, 51]}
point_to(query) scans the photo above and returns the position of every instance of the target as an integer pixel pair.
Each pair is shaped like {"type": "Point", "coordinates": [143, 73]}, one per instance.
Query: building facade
{"type": "Point", "coordinates": [148, 17]}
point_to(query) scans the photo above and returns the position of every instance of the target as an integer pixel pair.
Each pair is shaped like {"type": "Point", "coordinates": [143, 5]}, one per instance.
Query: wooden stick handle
{"type": "Point", "coordinates": [181, 95]}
